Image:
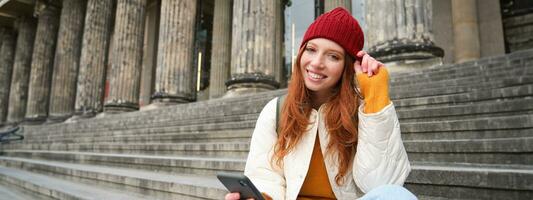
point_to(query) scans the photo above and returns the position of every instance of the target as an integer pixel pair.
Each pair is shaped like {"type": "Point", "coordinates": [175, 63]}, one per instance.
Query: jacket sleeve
{"type": "Point", "coordinates": [266, 176]}
{"type": "Point", "coordinates": [381, 157]}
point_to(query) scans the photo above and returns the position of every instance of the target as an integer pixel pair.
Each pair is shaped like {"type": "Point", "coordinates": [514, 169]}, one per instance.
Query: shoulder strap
{"type": "Point", "coordinates": [280, 101]}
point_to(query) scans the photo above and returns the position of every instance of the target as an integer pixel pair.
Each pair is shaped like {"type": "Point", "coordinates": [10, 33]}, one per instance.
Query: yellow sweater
{"type": "Point", "coordinates": [375, 91]}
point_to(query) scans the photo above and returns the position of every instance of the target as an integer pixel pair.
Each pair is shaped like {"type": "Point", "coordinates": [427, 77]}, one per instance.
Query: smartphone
{"type": "Point", "coordinates": [241, 184]}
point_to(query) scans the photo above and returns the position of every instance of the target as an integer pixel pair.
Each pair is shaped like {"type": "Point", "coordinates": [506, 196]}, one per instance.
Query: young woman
{"type": "Point", "coordinates": [329, 144]}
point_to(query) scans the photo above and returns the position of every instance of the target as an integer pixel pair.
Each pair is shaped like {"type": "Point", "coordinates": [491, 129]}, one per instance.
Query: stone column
{"type": "Point", "coordinates": [175, 70]}
{"type": "Point", "coordinates": [18, 93]}
{"type": "Point", "coordinates": [332, 4]}
{"type": "Point", "coordinates": [254, 53]}
{"type": "Point", "coordinates": [399, 34]}
{"type": "Point", "coordinates": [465, 30]}
{"type": "Point", "coordinates": [94, 51]}
{"type": "Point", "coordinates": [491, 38]}
{"type": "Point", "coordinates": [221, 48]}
{"type": "Point", "coordinates": [42, 61]}
{"type": "Point", "coordinates": [7, 48]}
{"type": "Point", "coordinates": [151, 33]}
{"type": "Point", "coordinates": [126, 64]}
{"type": "Point", "coordinates": [67, 60]}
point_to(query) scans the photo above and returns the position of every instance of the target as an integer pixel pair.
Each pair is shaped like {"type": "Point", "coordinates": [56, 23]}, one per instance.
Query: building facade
{"type": "Point", "coordinates": [60, 59]}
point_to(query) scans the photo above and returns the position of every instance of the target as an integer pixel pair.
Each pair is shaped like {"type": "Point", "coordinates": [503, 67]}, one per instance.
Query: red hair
{"type": "Point", "coordinates": [340, 117]}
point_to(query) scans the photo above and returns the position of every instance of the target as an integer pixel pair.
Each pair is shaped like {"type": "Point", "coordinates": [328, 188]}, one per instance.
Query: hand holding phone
{"type": "Point", "coordinates": [238, 183]}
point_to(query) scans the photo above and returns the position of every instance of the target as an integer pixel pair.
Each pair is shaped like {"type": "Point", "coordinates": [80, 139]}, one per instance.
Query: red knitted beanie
{"type": "Point", "coordinates": [339, 26]}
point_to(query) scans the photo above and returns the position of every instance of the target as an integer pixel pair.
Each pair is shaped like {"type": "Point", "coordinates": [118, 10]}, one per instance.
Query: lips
{"type": "Point", "coordinates": [315, 75]}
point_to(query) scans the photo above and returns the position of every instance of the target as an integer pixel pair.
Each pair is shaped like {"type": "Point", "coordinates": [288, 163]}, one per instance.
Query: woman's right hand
{"type": "Point", "coordinates": [234, 196]}
{"type": "Point", "coordinates": [237, 196]}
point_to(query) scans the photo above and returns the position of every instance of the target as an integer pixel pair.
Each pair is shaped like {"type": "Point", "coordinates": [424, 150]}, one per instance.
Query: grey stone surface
{"type": "Point", "coordinates": [67, 60]}
{"type": "Point", "coordinates": [178, 186]}
{"type": "Point", "coordinates": [172, 164]}
{"type": "Point", "coordinates": [94, 53]}
{"type": "Point", "coordinates": [18, 94]}
{"type": "Point", "coordinates": [255, 56]}
{"type": "Point", "coordinates": [332, 4]}
{"type": "Point", "coordinates": [9, 192]}
{"type": "Point", "coordinates": [7, 52]}
{"type": "Point", "coordinates": [517, 32]}
{"type": "Point", "coordinates": [483, 181]}
{"type": "Point", "coordinates": [221, 48]}
{"type": "Point", "coordinates": [174, 80]}
{"type": "Point", "coordinates": [42, 62]}
{"type": "Point", "coordinates": [126, 62]}
{"type": "Point", "coordinates": [60, 189]}
{"type": "Point", "coordinates": [399, 34]}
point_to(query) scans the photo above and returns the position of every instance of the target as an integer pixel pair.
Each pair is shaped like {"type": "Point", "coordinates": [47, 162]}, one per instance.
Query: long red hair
{"type": "Point", "coordinates": [340, 115]}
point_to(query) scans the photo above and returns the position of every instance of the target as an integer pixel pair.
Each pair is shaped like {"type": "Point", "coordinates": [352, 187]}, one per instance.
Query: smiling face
{"type": "Point", "coordinates": [322, 64]}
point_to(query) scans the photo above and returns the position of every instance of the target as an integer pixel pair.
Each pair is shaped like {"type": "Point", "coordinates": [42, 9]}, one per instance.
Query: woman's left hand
{"type": "Point", "coordinates": [368, 65]}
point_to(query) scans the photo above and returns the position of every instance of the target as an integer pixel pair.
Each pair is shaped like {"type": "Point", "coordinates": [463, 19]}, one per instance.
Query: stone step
{"type": "Point", "coordinates": [459, 71]}
{"type": "Point", "coordinates": [475, 96]}
{"type": "Point", "coordinates": [487, 123]}
{"type": "Point", "coordinates": [450, 71]}
{"type": "Point", "coordinates": [209, 149]}
{"type": "Point", "coordinates": [481, 72]}
{"type": "Point", "coordinates": [11, 192]}
{"type": "Point", "coordinates": [425, 90]}
{"type": "Point", "coordinates": [232, 130]}
{"type": "Point", "coordinates": [163, 122]}
{"type": "Point", "coordinates": [181, 117]}
{"type": "Point", "coordinates": [522, 124]}
{"type": "Point", "coordinates": [490, 180]}
{"type": "Point", "coordinates": [467, 111]}
{"type": "Point", "coordinates": [471, 181]}
{"type": "Point", "coordinates": [171, 164]}
{"type": "Point", "coordinates": [157, 185]}
{"type": "Point", "coordinates": [468, 134]}
{"type": "Point", "coordinates": [517, 151]}
{"type": "Point", "coordinates": [491, 151]}
{"type": "Point", "coordinates": [493, 107]}
{"type": "Point", "coordinates": [220, 106]}
{"type": "Point", "coordinates": [509, 92]}
{"type": "Point", "coordinates": [55, 188]}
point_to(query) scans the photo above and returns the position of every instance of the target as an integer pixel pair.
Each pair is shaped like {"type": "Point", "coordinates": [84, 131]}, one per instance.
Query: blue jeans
{"type": "Point", "coordinates": [389, 192]}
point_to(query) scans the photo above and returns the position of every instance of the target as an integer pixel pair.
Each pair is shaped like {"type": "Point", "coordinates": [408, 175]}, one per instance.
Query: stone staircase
{"type": "Point", "coordinates": [468, 130]}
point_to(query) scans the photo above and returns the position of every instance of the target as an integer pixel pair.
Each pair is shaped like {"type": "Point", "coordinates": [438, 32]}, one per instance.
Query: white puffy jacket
{"type": "Point", "coordinates": [380, 158]}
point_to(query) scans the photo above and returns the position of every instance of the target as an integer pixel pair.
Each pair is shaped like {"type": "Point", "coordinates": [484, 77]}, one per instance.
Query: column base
{"type": "Point", "coordinates": [85, 113]}
{"type": "Point", "coordinates": [406, 66]}
{"type": "Point", "coordinates": [156, 105]}
{"type": "Point", "coordinates": [57, 118]}
{"type": "Point", "coordinates": [240, 84]}
{"type": "Point", "coordinates": [170, 99]}
{"type": "Point", "coordinates": [246, 89]}
{"type": "Point", "coordinates": [34, 120]}
{"type": "Point", "coordinates": [113, 107]}
{"type": "Point", "coordinates": [405, 55]}
{"type": "Point", "coordinates": [405, 49]}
